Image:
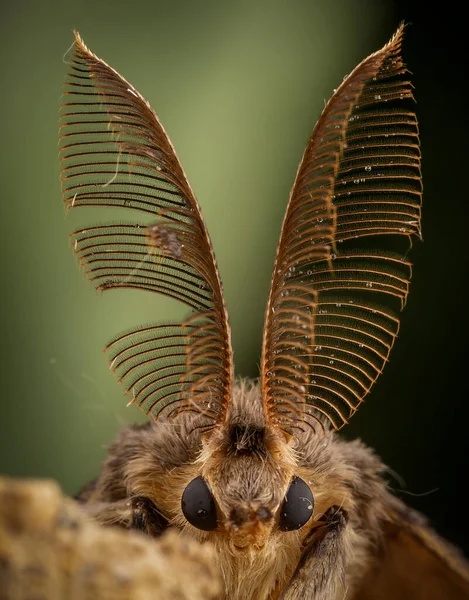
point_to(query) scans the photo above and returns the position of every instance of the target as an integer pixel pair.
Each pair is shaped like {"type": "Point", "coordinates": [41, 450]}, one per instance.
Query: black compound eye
{"type": "Point", "coordinates": [297, 507]}
{"type": "Point", "coordinates": [198, 505]}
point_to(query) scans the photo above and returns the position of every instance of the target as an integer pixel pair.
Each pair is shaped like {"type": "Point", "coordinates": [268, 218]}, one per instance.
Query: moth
{"type": "Point", "coordinates": [257, 468]}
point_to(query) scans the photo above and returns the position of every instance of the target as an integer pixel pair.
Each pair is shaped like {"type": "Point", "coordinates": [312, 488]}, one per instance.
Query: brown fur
{"type": "Point", "coordinates": [157, 461]}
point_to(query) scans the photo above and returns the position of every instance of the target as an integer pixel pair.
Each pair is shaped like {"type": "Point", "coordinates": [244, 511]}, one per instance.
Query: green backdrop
{"type": "Point", "coordinates": [238, 86]}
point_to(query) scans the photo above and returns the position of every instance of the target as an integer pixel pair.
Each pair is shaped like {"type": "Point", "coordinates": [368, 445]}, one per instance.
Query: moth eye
{"type": "Point", "coordinates": [198, 505]}
{"type": "Point", "coordinates": [297, 507]}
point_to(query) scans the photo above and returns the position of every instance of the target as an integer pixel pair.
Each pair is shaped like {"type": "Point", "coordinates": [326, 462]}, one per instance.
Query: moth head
{"type": "Point", "coordinates": [247, 489]}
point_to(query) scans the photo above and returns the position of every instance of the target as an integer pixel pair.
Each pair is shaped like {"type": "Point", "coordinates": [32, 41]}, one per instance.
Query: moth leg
{"type": "Point", "coordinates": [110, 513]}
{"type": "Point", "coordinates": [321, 568]}
{"type": "Point", "coordinates": [146, 518]}
{"type": "Point", "coordinates": [131, 513]}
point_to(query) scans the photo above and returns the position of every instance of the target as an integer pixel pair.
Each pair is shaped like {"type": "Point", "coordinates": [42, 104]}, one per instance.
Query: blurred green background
{"type": "Point", "coordinates": [238, 86]}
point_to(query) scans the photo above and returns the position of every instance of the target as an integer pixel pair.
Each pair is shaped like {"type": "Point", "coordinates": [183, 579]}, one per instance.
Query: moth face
{"type": "Point", "coordinates": [247, 492]}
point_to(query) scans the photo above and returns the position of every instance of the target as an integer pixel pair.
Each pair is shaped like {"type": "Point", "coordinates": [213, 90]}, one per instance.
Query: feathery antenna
{"type": "Point", "coordinates": [341, 273]}
{"type": "Point", "coordinates": [115, 153]}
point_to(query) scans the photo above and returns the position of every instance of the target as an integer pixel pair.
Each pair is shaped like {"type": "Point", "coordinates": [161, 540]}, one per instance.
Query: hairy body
{"type": "Point", "coordinates": [157, 461]}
